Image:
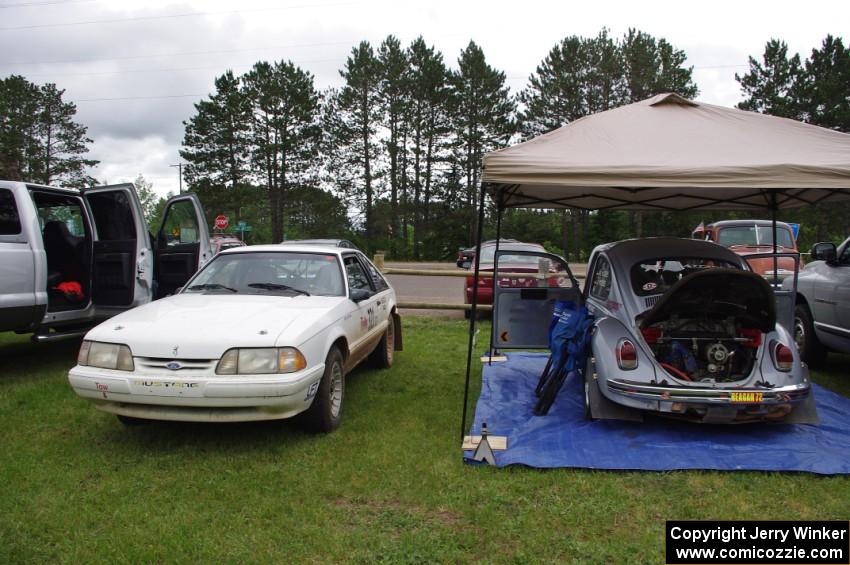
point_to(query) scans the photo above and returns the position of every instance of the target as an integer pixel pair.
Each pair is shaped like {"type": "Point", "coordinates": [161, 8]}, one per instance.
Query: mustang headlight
{"type": "Point", "coordinates": [260, 361]}
{"type": "Point", "coordinates": [106, 356]}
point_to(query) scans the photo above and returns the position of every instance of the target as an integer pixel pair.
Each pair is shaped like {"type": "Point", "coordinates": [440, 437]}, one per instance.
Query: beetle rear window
{"type": "Point", "coordinates": [656, 276]}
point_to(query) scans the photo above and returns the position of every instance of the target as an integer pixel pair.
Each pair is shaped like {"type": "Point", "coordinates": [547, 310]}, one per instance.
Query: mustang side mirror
{"type": "Point", "coordinates": [359, 294]}
{"type": "Point", "coordinates": [824, 251]}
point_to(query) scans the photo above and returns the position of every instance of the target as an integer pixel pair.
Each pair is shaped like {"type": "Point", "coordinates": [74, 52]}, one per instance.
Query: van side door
{"type": "Point", "coordinates": [121, 251]}
{"type": "Point", "coordinates": [182, 243]}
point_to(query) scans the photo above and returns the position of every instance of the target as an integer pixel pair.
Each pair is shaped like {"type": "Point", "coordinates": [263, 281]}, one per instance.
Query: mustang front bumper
{"type": "Point", "coordinates": [197, 398]}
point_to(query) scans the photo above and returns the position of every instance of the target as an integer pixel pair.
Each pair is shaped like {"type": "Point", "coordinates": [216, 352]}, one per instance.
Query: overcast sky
{"type": "Point", "coordinates": [134, 68]}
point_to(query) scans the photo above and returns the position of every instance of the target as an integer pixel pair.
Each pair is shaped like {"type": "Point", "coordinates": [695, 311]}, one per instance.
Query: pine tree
{"type": "Point", "coordinates": [825, 84]}
{"type": "Point", "coordinates": [771, 85]}
{"type": "Point", "coordinates": [428, 97]}
{"type": "Point", "coordinates": [353, 124]}
{"type": "Point", "coordinates": [285, 133]}
{"type": "Point", "coordinates": [39, 139]}
{"type": "Point", "coordinates": [555, 92]}
{"type": "Point", "coordinates": [216, 137]}
{"type": "Point", "coordinates": [393, 62]}
{"type": "Point", "coordinates": [483, 113]}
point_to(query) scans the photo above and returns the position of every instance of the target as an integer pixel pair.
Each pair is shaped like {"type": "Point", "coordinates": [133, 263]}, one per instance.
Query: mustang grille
{"type": "Point", "coordinates": [651, 301]}
{"type": "Point", "coordinates": [185, 365]}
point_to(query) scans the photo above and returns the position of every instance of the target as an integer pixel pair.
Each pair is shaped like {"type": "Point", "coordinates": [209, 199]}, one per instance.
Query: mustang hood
{"type": "Point", "coordinates": [203, 326]}
{"type": "Point", "coordinates": [743, 295]}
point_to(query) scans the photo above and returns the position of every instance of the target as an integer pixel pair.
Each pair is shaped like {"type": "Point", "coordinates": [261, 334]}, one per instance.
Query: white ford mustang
{"type": "Point", "coordinates": [260, 333]}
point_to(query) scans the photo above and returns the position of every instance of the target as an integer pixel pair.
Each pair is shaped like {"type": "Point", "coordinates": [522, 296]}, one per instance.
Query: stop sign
{"type": "Point", "coordinates": [221, 221]}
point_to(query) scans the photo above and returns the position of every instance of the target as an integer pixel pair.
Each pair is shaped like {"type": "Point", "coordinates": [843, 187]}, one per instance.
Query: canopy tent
{"type": "Point", "coordinates": [665, 153]}
{"type": "Point", "coordinates": [669, 153]}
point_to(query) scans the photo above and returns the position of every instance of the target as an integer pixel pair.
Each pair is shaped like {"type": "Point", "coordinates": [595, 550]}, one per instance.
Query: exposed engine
{"type": "Point", "coordinates": [704, 350]}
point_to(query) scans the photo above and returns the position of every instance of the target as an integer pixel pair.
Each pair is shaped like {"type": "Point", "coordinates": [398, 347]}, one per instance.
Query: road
{"type": "Point", "coordinates": [444, 290]}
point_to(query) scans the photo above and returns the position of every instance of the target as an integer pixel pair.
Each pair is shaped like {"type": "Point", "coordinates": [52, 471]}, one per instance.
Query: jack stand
{"type": "Point", "coordinates": [493, 356]}
{"type": "Point", "coordinates": [483, 451]}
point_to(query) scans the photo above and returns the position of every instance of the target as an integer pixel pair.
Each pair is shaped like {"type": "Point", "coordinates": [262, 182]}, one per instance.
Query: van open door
{"type": "Point", "coordinates": [182, 243]}
{"type": "Point", "coordinates": [121, 247]}
{"type": "Point", "coordinates": [525, 288]}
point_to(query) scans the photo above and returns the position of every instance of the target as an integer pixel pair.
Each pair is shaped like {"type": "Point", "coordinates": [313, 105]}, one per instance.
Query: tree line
{"type": "Point", "coordinates": [392, 158]}
{"type": "Point", "coordinates": [39, 139]}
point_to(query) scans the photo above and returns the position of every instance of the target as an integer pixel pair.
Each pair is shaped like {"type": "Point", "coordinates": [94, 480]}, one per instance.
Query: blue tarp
{"type": "Point", "coordinates": [563, 438]}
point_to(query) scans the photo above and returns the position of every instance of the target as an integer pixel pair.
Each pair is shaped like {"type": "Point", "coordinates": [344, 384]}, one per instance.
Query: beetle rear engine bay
{"type": "Point", "coordinates": [710, 326]}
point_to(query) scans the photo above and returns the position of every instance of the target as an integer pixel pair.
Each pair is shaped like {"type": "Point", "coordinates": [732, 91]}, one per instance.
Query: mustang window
{"type": "Point", "coordinates": [282, 273]}
{"type": "Point", "coordinates": [356, 277]}
{"type": "Point", "coordinates": [656, 276]}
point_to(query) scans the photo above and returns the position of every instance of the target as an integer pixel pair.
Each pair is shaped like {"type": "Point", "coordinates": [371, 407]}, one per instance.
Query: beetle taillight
{"type": "Point", "coordinates": [627, 355]}
{"type": "Point", "coordinates": [783, 357]}
{"type": "Point", "coordinates": [752, 335]}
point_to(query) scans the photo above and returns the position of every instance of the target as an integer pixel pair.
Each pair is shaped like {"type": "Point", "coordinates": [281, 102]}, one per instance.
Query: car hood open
{"type": "Point", "coordinates": [203, 326]}
{"type": "Point", "coordinates": [730, 292]}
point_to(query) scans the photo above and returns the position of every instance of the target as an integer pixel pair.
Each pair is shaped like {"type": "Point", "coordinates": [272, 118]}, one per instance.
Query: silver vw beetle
{"type": "Point", "coordinates": [684, 328]}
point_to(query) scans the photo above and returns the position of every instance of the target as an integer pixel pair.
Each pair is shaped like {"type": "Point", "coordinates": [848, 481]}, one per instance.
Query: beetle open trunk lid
{"type": "Point", "coordinates": [730, 292]}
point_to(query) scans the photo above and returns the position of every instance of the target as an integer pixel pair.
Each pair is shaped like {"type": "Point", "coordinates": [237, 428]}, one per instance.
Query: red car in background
{"type": "Point", "coordinates": [508, 263]}
{"type": "Point", "coordinates": [748, 237]}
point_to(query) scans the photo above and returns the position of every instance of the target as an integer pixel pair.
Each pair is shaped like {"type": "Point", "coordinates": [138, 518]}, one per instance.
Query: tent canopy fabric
{"type": "Point", "coordinates": [669, 153]}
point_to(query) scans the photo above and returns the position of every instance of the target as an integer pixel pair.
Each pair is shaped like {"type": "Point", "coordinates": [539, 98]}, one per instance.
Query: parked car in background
{"type": "Point", "coordinates": [219, 242]}
{"type": "Point", "coordinates": [507, 263]}
{"type": "Point", "coordinates": [70, 258]}
{"type": "Point", "coordinates": [749, 237]}
{"type": "Point", "coordinates": [685, 329]}
{"type": "Point", "coordinates": [466, 255]}
{"type": "Point", "coordinates": [822, 313]}
{"type": "Point", "coordinates": [260, 333]}
{"type": "Point", "coordinates": [342, 243]}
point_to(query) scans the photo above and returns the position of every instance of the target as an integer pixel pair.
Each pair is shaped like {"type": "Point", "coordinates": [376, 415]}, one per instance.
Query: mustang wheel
{"type": "Point", "coordinates": [325, 413]}
{"type": "Point", "coordinates": [382, 357]}
{"type": "Point", "coordinates": [811, 350]}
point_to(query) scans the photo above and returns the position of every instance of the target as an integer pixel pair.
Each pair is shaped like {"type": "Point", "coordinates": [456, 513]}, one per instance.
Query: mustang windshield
{"type": "Point", "coordinates": [655, 276]}
{"type": "Point", "coordinates": [282, 273]}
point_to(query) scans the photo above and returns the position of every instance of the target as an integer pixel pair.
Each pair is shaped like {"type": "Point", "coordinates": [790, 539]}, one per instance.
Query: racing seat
{"type": "Point", "coordinates": [326, 283]}
{"type": "Point", "coordinates": [261, 273]}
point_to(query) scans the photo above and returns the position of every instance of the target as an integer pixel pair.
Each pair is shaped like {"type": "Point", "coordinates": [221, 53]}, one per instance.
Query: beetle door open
{"type": "Point", "coordinates": [527, 284]}
{"type": "Point", "coordinates": [121, 244]}
{"type": "Point", "coordinates": [182, 243]}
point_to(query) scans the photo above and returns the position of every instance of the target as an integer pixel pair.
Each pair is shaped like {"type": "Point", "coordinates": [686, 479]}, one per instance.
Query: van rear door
{"type": "Point", "coordinates": [182, 243]}
{"type": "Point", "coordinates": [121, 257]}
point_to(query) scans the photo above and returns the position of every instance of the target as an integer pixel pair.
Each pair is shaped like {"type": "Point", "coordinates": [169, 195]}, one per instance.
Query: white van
{"type": "Point", "coordinates": [70, 258]}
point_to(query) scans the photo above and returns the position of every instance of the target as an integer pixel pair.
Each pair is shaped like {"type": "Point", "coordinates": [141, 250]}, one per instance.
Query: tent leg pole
{"type": "Point", "coordinates": [500, 210]}
{"type": "Point", "coordinates": [473, 313]}
{"type": "Point", "coordinates": [773, 207]}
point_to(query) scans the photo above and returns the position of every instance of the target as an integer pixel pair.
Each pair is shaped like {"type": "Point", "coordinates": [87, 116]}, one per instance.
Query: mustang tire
{"type": "Point", "coordinates": [325, 413]}
{"type": "Point", "coordinates": [382, 356]}
{"type": "Point", "coordinates": [811, 350]}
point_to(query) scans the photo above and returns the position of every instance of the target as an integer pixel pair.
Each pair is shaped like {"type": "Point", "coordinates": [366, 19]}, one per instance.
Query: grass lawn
{"type": "Point", "coordinates": [389, 485]}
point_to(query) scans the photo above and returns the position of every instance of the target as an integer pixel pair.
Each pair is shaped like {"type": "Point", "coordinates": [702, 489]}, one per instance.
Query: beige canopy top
{"type": "Point", "coordinates": [669, 153]}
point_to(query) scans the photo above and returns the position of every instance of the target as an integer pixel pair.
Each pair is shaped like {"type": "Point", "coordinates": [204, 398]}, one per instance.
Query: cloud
{"type": "Point", "coordinates": [148, 59]}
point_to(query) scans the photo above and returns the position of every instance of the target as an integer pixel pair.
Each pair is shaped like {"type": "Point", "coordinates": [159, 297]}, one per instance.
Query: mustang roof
{"type": "Point", "coordinates": [308, 248]}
